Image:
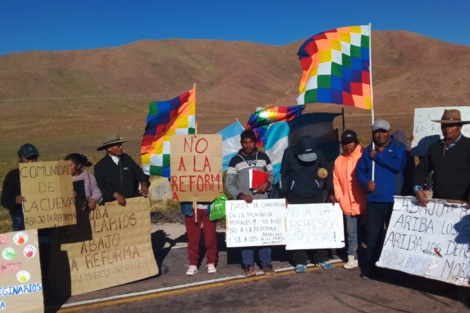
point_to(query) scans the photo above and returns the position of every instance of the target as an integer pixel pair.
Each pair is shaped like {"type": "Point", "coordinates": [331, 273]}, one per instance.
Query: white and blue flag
{"type": "Point", "coordinates": [230, 142]}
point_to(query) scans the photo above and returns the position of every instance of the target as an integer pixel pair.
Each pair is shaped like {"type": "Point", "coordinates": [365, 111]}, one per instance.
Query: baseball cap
{"type": "Point", "coordinates": [28, 150]}
{"type": "Point", "coordinates": [381, 124]}
{"type": "Point", "coordinates": [348, 136]}
{"type": "Point", "coordinates": [306, 149]}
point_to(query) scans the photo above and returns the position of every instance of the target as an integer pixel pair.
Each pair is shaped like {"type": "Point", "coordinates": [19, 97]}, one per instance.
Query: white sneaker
{"type": "Point", "coordinates": [352, 262]}
{"type": "Point", "coordinates": [211, 268]}
{"type": "Point", "coordinates": [191, 270]}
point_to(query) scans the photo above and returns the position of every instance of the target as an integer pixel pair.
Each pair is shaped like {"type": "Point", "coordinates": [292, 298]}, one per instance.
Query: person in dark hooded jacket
{"type": "Point", "coordinates": [300, 184]}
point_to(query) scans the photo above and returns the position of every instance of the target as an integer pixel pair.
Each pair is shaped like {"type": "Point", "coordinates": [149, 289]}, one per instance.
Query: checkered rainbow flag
{"type": "Point", "coordinates": [336, 69]}
{"type": "Point", "coordinates": [261, 119]}
{"type": "Point", "coordinates": [166, 118]}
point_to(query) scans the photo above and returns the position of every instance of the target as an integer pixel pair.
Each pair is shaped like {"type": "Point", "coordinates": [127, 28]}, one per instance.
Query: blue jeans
{"type": "Point", "coordinates": [264, 254]}
{"type": "Point", "coordinates": [17, 222]}
{"type": "Point", "coordinates": [352, 223]}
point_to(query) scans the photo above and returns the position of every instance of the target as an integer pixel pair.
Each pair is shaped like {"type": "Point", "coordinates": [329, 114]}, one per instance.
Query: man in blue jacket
{"type": "Point", "coordinates": [389, 157]}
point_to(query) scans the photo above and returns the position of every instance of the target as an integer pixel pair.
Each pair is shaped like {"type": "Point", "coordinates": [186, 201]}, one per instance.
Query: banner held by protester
{"type": "Point", "coordinates": [432, 242]}
{"type": "Point", "coordinates": [108, 247]}
{"type": "Point", "coordinates": [261, 223]}
{"type": "Point", "coordinates": [196, 167]}
{"type": "Point", "coordinates": [48, 189]}
{"type": "Point", "coordinates": [20, 272]}
{"type": "Point", "coordinates": [314, 226]}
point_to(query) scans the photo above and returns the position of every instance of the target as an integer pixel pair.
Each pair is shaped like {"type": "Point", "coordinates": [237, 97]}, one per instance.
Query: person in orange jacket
{"type": "Point", "coordinates": [349, 193]}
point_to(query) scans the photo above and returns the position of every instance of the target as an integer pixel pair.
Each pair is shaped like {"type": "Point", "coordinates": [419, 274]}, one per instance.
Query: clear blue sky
{"type": "Point", "coordinates": [83, 24]}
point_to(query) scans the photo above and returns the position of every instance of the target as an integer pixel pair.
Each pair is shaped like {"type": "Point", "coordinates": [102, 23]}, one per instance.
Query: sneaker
{"type": "Point", "coordinates": [191, 270]}
{"type": "Point", "coordinates": [250, 271]}
{"type": "Point", "coordinates": [325, 265]}
{"type": "Point", "coordinates": [211, 268]}
{"type": "Point", "coordinates": [268, 270]}
{"type": "Point", "coordinates": [300, 268]}
{"type": "Point", "coordinates": [352, 262]}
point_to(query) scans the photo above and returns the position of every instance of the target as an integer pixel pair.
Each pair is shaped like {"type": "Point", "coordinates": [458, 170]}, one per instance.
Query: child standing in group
{"type": "Point", "coordinates": [193, 230]}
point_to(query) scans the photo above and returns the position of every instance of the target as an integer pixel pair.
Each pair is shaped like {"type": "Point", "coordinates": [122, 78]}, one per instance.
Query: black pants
{"type": "Point", "coordinates": [301, 256]}
{"type": "Point", "coordinates": [378, 216]}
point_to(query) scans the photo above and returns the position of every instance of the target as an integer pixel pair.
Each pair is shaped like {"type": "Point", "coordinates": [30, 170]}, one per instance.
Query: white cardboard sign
{"type": "Point", "coordinates": [426, 132]}
{"type": "Point", "coordinates": [261, 223]}
{"type": "Point", "coordinates": [431, 242]}
{"type": "Point", "coordinates": [314, 226]}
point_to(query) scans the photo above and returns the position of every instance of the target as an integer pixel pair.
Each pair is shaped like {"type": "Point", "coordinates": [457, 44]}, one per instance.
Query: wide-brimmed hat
{"type": "Point", "coordinates": [451, 117]}
{"type": "Point", "coordinates": [109, 140]}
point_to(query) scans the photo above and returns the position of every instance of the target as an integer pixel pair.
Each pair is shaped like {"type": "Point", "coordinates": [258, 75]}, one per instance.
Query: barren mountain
{"type": "Point", "coordinates": [74, 94]}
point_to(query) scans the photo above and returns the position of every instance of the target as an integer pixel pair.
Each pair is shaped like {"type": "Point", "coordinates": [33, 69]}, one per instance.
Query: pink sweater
{"type": "Point", "coordinates": [91, 187]}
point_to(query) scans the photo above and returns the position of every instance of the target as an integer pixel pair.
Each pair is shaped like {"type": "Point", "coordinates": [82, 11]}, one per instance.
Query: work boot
{"type": "Point", "coordinates": [250, 271]}
{"type": "Point", "coordinates": [352, 262]}
{"type": "Point", "coordinates": [268, 270]}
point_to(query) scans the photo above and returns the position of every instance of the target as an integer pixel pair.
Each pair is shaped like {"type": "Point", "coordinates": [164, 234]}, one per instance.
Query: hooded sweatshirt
{"type": "Point", "coordinates": [348, 191]}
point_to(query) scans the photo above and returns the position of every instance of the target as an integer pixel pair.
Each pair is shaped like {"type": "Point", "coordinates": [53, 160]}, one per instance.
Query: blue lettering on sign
{"type": "Point", "coordinates": [16, 290]}
{"type": "Point", "coordinates": [2, 306]}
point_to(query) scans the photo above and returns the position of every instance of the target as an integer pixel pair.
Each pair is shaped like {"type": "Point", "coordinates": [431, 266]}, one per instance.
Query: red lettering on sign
{"type": "Point", "coordinates": [175, 197]}
{"type": "Point", "coordinates": [217, 179]}
{"type": "Point", "coordinates": [182, 165]}
{"type": "Point", "coordinates": [191, 182]}
{"type": "Point", "coordinates": [174, 183]}
{"type": "Point", "coordinates": [207, 164]}
{"type": "Point", "coordinates": [194, 165]}
{"type": "Point", "coordinates": [182, 183]}
{"type": "Point", "coordinates": [200, 183]}
{"type": "Point", "coordinates": [190, 146]}
{"type": "Point", "coordinates": [205, 148]}
{"type": "Point", "coordinates": [207, 178]}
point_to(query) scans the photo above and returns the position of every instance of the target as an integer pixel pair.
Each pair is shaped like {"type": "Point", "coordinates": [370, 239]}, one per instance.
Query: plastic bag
{"type": "Point", "coordinates": [218, 208]}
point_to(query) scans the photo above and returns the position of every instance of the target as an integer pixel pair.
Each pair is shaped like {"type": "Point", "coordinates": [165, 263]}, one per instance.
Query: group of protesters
{"type": "Point", "coordinates": [363, 181]}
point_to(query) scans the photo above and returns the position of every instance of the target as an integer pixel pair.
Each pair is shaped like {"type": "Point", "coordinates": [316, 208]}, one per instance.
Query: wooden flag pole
{"type": "Point", "coordinates": [371, 93]}
{"type": "Point", "coordinates": [195, 198]}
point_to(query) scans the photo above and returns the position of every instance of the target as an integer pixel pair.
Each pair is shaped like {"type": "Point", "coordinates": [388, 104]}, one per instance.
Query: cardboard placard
{"type": "Point", "coordinates": [314, 226]}
{"type": "Point", "coordinates": [48, 189]}
{"type": "Point", "coordinates": [260, 223]}
{"type": "Point", "coordinates": [431, 242]}
{"type": "Point", "coordinates": [196, 167]}
{"type": "Point", "coordinates": [426, 132]}
{"type": "Point", "coordinates": [108, 247]}
{"type": "Point", "coordinates": [20, 272]}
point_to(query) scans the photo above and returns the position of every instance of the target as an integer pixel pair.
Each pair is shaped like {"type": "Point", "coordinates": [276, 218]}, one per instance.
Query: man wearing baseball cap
{"type": "Point", "coordinates": [117, 174]}
{"type": "Point", "coordinates": [300, 184]}
{"type": "Point", "coordinates": [349, 193]}
{"type": "Point", "coordinates": [11, 192]}
{"type": "Point", "coordinates": [389, 156]}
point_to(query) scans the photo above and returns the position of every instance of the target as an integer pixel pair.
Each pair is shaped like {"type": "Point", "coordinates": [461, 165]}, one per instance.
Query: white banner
{"type": "Point", "coordinates": [261, 223]}
{"type": "Point", "coordinates": [426, 132]}
{"type": "Point", "coordinates": [314, 226]}
{"type": "Point", "coordinates": [432, 242]}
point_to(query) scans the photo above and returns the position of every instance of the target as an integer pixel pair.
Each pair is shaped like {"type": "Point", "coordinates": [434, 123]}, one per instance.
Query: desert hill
{"type": "Point", "coordinates": [67, 96]}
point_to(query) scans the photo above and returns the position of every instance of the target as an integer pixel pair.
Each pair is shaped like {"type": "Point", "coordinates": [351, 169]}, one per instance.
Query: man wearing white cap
{"type": "Point", "coordinates": [380, 184]}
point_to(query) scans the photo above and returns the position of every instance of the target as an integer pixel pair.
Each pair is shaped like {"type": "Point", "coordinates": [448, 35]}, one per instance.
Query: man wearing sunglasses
{"type": "Point", "coordinates": [117, 174]}
{"type": "Point", "coordinates": [11, 192]}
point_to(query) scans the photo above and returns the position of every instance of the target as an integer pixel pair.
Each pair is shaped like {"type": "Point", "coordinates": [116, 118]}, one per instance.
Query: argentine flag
{"type": "Point", "coordinates": [230, 142]}
{"type": "Point", "coordinates": [283, 135]}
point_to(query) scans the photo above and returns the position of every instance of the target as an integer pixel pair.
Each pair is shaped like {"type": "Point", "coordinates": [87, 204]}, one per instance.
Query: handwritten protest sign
{"type": "Point", "coordinates": [261, 223]}
{"type": "Point", "coordinates": [48, 189]}
{"type": "Point", "coordinates": [196, 167]}
{"type": "Point", "coordinates": [20, 272]}
{"type": "Point", "coordinates": [108, 247]}
{"type": "Point", "coordinates": [314, 226]}
{"type": "Point", "coordinates": [426, 132]}
{"type": "Point", "coordinates": [432, 242]}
